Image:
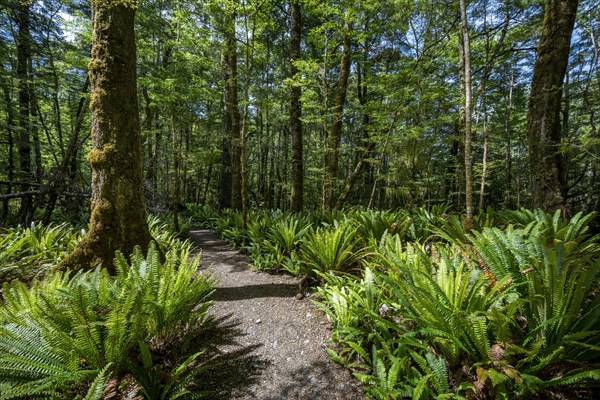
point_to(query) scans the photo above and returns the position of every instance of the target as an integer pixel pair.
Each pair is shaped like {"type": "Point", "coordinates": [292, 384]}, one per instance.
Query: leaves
{"type": "Point", "coordinates": [67, 332]}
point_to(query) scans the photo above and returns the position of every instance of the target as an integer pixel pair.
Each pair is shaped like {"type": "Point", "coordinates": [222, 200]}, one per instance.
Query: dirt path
{"type": "Point", "coordinates": [266, 344]}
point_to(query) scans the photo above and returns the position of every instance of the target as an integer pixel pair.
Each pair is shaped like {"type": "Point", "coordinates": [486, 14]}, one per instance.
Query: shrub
{"type": "Point", "coordinates": [26, 251]}
{"type": "Point", "coordinates": [332, 249]}
{"type": "Point", "coordinates": [65, 330]}
{"type": "Point", "coordinates": [497, 313]}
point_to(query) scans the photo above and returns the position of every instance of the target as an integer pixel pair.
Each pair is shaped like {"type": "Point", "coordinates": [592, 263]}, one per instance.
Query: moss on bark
{"type": "Point", "coordinates": [548, 186]}
{"type": "Point", "coordinates": [118, 214]}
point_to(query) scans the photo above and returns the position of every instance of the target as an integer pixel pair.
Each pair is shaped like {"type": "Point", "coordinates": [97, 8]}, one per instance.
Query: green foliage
{"type": "Point", "coordinates": [501, 312]}
{"type": "Point", "coordinates": [423, 308]}
{"type": "Point", "coordinates": [374, 224]}
{"type": "Point", "coordinates": [27, 251]}
{"type": "Point", "coordinates": [333, 249]}
{"type": "Point", "coordinates": [202, 216]}
{"type": "Point", "coordinates": [63, 331]}
{"type": "Point", "coordinates": [158, 384]}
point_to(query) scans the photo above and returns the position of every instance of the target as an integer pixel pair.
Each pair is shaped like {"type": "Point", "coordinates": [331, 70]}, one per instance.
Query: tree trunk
{"type": "Point", "coordinates": [249, 63]}
{"type": "Point", "coordinates": [466, 114]}
{"type": "Point", "coordinates": [484, 160]}
{"type": "Point", "coordinates": [296, 111]}
{"type": "Point", "coordinates": [10, 121]}
{"type": "Point", "coordinates": [234, 113]}
{"type": "Point", "coordinates": [508, 145]}
{"type": "Point", "coordinates": [225, 187]}
{"type": "Point", "coordinates": [332, 143]}
{"type": "Point", "coordinates": [61, 174]}
{"type": "Point", "coordinates": [24, 145]}
{"type": "Point", "coordinates": [148, 125]}
{"type": "Point", "coordinates": [362, 91]}
{"type": "Point", "coordinates": [176, 195]}
{"type": "Point", "coordinates": [543, 115]}
{"type": "Point", "coordinates": [118, 213]}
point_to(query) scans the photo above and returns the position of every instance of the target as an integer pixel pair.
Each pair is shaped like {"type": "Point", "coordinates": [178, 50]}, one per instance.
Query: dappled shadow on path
{"type": "Point", "coordinates": [315, 381]}
{"type": "Point", "coordinates": [254, 291]}
{"type": "Point", "coordinates": [230, 367]}
{"type": "Point", "coordinates": [217, 251]}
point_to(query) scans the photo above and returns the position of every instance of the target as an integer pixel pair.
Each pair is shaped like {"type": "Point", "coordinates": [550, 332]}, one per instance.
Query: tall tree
{"type": "Point", "coordinates": [10, 121]}
{"type": "Point", "coordinates": [233, 109]}
{"type": "Point", "coordinates": [465, 64]}
{"type": "Point", "coordinates": [548, 184]}
{"type": "Point", "coordinates": [23, 16]}
{"type": "Point", "coordinates": [225, 186]}
{"type": "Point", "coordinates": [296, 110]}
{"type": "Point", "coordinates": [118, 213]}
{"type": "Point", "coordinates": [332, 142]}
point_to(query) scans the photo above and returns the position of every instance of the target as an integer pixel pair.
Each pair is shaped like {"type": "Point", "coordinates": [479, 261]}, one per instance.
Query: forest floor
{"type": "Point", "coordinates": [265, 342]}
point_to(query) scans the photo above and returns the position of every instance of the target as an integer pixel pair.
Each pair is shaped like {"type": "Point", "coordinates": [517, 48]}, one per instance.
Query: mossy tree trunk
{"type": "Point", "coordinates": [118, 213]}
{"type": "Point", "coordinates": [296, 111]}
{"type": "Point", "coordinates": [543, 115]}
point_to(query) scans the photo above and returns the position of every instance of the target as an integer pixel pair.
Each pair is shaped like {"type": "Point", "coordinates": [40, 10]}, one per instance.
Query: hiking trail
{"type": "Point", "coordinates": [265, 342]}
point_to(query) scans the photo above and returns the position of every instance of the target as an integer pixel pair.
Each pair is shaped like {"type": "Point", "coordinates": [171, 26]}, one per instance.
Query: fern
{"type": "Point", "coordinates": [57, 334]}
{"type": "Point", "coordinates": [331, 250]}
{"type": "Point", "coordinates": [95, 392]}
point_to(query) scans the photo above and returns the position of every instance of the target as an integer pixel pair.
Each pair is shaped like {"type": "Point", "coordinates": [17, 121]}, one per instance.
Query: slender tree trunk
{"type": "Point", "coordinates": [234, 113]}
{"type": "Point", "coordinates": [271, 180]}
{"type": "Point", "coordinates": [282, 199]}
{"type": "Point", "coordinates": [467, 108]}
{"type": "Point", "coordinates": [175, 196]}
{"type": "Point", "coordinates": [10, 123]}
{"type": "Point", "coordinates": [35, 133]}
{"type": "Point", "coordinates": [148, 125]}
{"type": "Point", "coordinates": [362, 91]}
{"type": "Point", "coordinates": [249, 63]}
{"type": "Point", "coordinates": [354, 176]}
{"type": "Point", "coordinates": [484, 160]}
{"type": "Point", "coordinates": [507, 146]}
{"type": "Point", "coordinates": [70, 153]}
{"type": "Point", "coordinates": [225, 187]}
{"type": "Point", "coordinates": [56, 104]}
{"type": "Point", "coordinates": [332, 143]}
{"type": "Point", "coordinates": [381, 165]}
{"type": "Point", "coordinates": [543, 115]}
{"type": "Point", "coordinates": [24, 145]}
{"type": "Point", "coordinates": [296, 111]}
{"type": "Point", "coordinates": [118, 214]}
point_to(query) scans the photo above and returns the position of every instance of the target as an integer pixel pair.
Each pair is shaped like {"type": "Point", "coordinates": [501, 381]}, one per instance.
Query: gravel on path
{"type": "Point", "coordinates": [265, 343]}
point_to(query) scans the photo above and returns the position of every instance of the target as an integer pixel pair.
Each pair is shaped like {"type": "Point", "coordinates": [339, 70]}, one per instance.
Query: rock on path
{"type": "Point", "coordinates": [265, 343]}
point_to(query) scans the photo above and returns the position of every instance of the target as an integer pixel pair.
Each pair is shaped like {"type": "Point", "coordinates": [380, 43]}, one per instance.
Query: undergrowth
{"type": "Point", "coordinates": [90, 335]}
{"type": "Point", "coordinates": [424, 309]}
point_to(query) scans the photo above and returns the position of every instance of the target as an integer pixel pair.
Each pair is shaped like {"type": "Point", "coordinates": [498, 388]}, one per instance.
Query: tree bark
{"type": "Point", "coordinates": [543, 115]}
{"type": "Point", "coordinates": [118, 213]}
{"type": "Point", "coordinates": [24, 145]}
{"type": "Point", "coordinates": [225, 187]}
{"type": "Point", "coordinates": [234, 113]}
{"type": "Point", "coordinates": [176, 147]}
{"type": "Point", "coordinates": [362, 91]}
{"type": "Point", "coordinates": [332, 143]}
{"type": "Point", "coordinates": [61, 178]}
{"type": "Point", "coordinates": [297, 199]}
{"type": "Point", "coordinates": [467, 108]}
{"type": "Point", "coordinates": [484, 159]}
{"type": "Point", "coordinates": [508, 145]}
{"type": "Point", "coordinates": [10, 121]}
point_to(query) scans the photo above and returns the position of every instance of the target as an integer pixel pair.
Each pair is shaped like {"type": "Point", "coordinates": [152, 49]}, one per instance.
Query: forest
{"type": "Point", "coordinates": [428, 171]}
